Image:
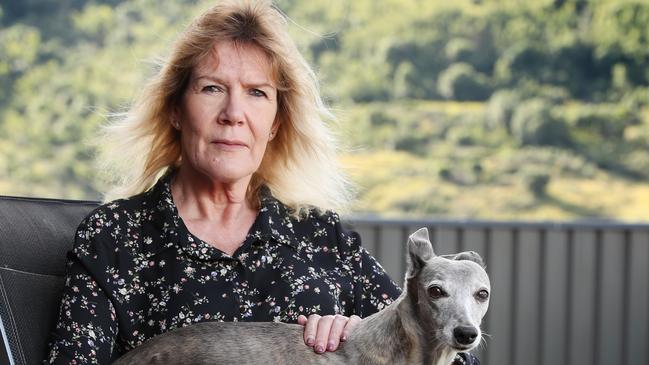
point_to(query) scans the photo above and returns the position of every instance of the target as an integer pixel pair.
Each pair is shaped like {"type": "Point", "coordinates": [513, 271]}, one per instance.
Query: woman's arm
{"type": "Point", "coordinates": [374, 288]}
{"type": "Point", "coordinates": [87, 325]}
{"type": "Point", "coordinates": [86, 329]}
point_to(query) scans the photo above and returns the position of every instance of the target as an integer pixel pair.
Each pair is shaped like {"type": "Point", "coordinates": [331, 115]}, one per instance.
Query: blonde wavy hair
{"type": "Point", "coordinates": [300, 165]}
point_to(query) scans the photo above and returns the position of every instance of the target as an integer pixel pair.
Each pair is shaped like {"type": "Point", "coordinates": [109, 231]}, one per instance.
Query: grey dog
{"type": "Point", "coordinates": [438, 314]}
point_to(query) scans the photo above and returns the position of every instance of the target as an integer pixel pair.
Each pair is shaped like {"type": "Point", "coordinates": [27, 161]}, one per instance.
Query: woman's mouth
{"type": "Point", "coordinates": [229, 144]}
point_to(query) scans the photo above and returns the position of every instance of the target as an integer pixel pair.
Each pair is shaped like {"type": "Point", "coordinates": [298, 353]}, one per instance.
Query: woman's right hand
{"type": "Point", "coordinates": [324, 333]}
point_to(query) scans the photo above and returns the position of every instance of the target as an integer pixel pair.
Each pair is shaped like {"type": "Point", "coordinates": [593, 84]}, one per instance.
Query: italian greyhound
{"type": "Point", "coordinates": [437, 315]}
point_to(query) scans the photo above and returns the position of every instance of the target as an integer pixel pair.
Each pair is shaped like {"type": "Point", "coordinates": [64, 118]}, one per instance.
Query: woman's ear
{"type": "Point", "coordinates": [273, 130]}
{"type": "Point", "coordinates": [175, 118]}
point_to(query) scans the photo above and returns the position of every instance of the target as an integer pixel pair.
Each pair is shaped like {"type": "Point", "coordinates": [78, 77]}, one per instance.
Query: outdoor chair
{"type": "Point", "coordinates": [35, 235]}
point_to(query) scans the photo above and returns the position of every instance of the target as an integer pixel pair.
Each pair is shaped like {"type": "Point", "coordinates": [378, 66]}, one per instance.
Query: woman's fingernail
{"type": "Point", "coordinates": [310, 341]}
{"type": "Point", "coordinates": [330, 346]}
{"type": "Point", "coordinates": [344, 338]}
{"type": "Point", "coordinates": [319, 349]}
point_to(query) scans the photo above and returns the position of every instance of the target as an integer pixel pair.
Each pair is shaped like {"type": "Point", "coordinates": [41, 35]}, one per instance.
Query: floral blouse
{"type": "Point", "coordinates": [135, 271]}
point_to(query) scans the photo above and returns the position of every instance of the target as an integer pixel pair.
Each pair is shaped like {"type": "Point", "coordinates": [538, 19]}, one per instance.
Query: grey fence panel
{"type": "Point", "coordinates": [556, 296]}
{"type": "Point", "coordinates": [446, 241]}
{"type": "Point", "coordinates": [527, 306]}
{"type": "Point", "coordinates": [583, 295]}
{"type": "Point", "coordinates": [562, 293]}
{"type": "Point", "coordinates": [611, 293]}
{"type": "Point", "coordinates": [500, 323]}
{"type": "Point", "coordinates": [636, 336]}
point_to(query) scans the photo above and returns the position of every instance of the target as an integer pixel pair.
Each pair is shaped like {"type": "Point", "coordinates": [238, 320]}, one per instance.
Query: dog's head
{"type": "Point", "coordinates": [449, 294]}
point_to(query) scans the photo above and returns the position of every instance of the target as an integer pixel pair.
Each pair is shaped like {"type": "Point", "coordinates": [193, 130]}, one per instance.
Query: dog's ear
{"type": "Point", "coordinates": [471, 256]}
{"type": "Point", "coordinates": [420, 250]}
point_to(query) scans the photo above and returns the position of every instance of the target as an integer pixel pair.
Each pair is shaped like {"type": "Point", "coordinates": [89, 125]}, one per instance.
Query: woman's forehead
{"type": "Point", "coordinates": [245, 59]}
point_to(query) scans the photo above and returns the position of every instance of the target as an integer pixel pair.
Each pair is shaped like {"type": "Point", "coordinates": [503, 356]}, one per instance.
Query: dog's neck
{"type": "Point", "coordinates": [425, 343]}
{"type": "Point", "coordinates": [407, 342]}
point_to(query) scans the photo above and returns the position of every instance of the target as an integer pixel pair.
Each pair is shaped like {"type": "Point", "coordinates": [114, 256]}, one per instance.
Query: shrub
{"type": "Point", "coordinates": [638, 161]}
{"type": "Point", "coordinates": [500, 109]}
{"type": "Point", "coordinates": [537, 183]}
{"type": "Point", "coordinates": [461, 82]}
{"type": "Point", "coordinates": [518, 62]}
{"type": "Point", "coordinates": [534, 124]}
{"type": "Point", "coordinates": [606, 121]}
{"type": "Point", "coordinates": [459, 50]}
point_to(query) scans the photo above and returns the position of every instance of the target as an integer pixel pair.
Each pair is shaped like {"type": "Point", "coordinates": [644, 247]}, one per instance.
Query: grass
{"type": "Point", "coordinates": [485, 179]}
{"type": "Point", "coordinates": [388, 188]}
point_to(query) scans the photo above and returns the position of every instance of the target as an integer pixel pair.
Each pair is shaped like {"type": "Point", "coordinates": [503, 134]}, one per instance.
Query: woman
{"type": "Point", "coordinates": [231, 179]}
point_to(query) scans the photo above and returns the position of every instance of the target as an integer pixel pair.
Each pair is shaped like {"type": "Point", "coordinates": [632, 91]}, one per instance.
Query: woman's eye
{"type": "Point", "coordinates": [257, 92]}
{"type": "Point", "coordinates": [436, 292]}
{"type": "Point", "coordinates": [211, 89]}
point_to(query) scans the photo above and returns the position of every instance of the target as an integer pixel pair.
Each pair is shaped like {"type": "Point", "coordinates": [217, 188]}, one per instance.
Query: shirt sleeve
{"type": "Point", "coordinates": [87, 328]}
{"type": "Point", "coordinates": [376, 288]}
{"type": "Point", "coordinates": [373, 287]}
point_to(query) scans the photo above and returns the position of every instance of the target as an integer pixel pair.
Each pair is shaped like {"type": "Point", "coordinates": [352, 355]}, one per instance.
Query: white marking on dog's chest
{"type": "Point", "coordinates": [446, 357]}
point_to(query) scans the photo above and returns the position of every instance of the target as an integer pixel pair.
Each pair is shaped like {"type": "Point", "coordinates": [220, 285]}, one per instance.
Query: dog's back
{"type": "Point", "coordinates": [253, 343]}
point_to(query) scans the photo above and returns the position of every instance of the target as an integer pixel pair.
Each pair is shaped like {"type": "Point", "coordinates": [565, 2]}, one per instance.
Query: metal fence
{"type": "Point", "coordinates": [562, 293]}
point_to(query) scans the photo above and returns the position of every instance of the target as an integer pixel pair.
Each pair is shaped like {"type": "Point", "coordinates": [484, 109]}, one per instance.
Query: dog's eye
{"type": "Point", "coordinates": [436, 292]}
{"type": "Point", "coordinates": [482, 295]}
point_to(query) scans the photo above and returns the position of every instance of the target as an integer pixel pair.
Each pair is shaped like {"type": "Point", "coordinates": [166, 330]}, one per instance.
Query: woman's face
{"type": "Point", "coordinates": [227, 113]}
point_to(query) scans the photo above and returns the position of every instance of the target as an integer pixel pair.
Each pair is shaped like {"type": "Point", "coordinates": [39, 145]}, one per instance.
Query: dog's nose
{"type": "Point", "coordinates": [465, 335]}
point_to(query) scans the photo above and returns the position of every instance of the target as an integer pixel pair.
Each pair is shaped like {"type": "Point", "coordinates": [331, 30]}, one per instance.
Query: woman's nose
{"type": "Point", "coordinates": [233, 112]}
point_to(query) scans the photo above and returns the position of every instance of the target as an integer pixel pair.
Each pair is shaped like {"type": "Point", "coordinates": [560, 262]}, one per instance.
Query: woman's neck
{"type": "Point", "coordinates": [199, 198]}
{"type": "Point", "coordinates": [218, 213]}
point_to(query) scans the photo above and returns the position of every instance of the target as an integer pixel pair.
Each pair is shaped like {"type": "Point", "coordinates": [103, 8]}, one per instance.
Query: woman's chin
{"type": "Point", "coordinates": [230, 176]}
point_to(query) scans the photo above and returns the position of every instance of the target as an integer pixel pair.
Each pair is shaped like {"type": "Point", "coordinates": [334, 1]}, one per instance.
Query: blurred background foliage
{"type": "Point", "coordinates": [493, 109]}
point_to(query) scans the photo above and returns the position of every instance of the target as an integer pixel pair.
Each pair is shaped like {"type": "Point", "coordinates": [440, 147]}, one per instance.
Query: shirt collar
{"type": "Point", "coordinates": [275, 220]}
{"type": "Point", "coordinates": [273, 223]}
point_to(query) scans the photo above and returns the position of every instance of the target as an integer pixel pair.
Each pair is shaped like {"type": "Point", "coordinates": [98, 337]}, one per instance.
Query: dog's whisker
{"type": "Point", "coordinates": [482, 344]}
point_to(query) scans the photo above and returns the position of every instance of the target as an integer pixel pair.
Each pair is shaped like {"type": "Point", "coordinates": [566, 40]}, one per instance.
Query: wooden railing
{"type": "Point", "coordinates": [562, 293]}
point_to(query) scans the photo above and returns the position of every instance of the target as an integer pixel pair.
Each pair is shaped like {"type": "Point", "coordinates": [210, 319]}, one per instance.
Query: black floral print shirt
{"type": "Point", "coordinates": [135, 271]}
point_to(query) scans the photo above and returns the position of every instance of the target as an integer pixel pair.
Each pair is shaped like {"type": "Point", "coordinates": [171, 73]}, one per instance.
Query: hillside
{"type": "Point", "coordinates": [435, 163]}
{"type": "Point", "coordinates": [469, 109]}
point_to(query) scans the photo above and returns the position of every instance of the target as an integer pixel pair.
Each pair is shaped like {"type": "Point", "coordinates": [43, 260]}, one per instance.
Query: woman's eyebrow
{"type": "Point", "coordinates": [210, 78]}
{"type": "Point", "coordinates": [258, 85]}
{"type": "Point", "coordinates": [247, 84]}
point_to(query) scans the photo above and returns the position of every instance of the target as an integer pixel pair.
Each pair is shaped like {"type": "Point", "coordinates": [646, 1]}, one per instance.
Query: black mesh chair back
{"type": "Point", "coordinates": [35, 235]}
